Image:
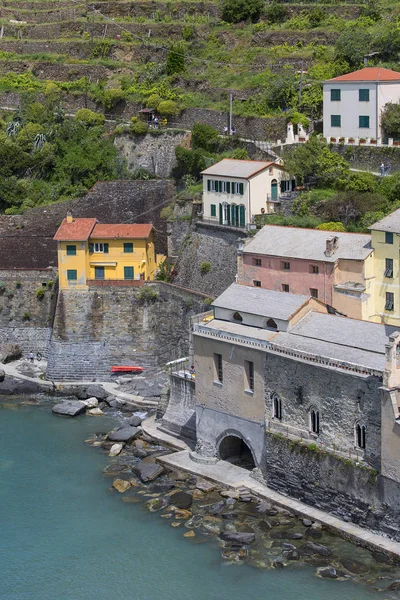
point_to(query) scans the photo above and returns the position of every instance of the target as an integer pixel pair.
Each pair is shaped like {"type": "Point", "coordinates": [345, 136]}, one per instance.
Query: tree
{"type": "Point", "coordinates": [314, 159]}
{"type": "Point", "coordinates": [175, 59]}
{"type": "Point", "coordinates": [169, 108]}
{"type": "Point", "coordinates": [88, 117]}
{"type": "Point", "coordinates": [350, 206]}
{"type": "Point", "coordinates": [276, 13]}
{"type": "Point", "coordinates": [189, 162]}
{"type": "Point", "coordinates": [390, 119]}
{"type": "Point", "coordinates": [204, 136]}
{"type": "Point", "coordinates": [235, 11]}
{"type": "Point", "coordinates": [352, 45]}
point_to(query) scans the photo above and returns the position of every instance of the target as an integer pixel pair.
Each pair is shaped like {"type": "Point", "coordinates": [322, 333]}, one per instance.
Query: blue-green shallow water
{"type": "Point", "coordinates": [65, 536]}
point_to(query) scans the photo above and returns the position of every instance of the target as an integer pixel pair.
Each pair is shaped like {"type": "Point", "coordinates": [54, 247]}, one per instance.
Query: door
{"type": "Point", "coordinates": [274, 190]}
{"type": "Point", "coordinates": [128, 273]}
{"type": "Point", "coordinates": [99, 272]}
{"type": "Point", "coordinates": [242, 216]}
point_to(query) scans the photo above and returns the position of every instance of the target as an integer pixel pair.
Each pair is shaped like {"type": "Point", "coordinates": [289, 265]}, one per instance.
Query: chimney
{"type": "Point", "coordinates": [332, 244]}
{"type": "Point", "coordinates": [69, 217]}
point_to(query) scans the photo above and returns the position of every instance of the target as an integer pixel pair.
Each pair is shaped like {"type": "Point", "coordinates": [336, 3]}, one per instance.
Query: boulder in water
{"type": "Point", "coordinates": [97, 391]}
{"type": "Point", "coordinates": [318, 549]}
{"type": "Point", "coordinates": [95, 412]}
{"type": "Point", "coordinates": [327, 573]}
{"type": "Point", "coordinates": [148, 471]}
{"type": "Point", "coordinates": [124, 435]}
{"type": "Point", "coordinates": [70, 408]}
{"type": "Point", "coordinates": [121, 485]}
{"type": "Point", "coordinates": [237, 537]}
{"type": "Point", "coordinates": [182, 500]}
{"type": "Point", "coordinates": [135, 421]}
{"type": "Point", "coordinates": [91, 402]}
{"type": "Point", "coordinates": [115, 449]}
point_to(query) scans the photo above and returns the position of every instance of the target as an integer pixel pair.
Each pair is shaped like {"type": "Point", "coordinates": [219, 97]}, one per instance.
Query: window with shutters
{"type": "Point", "coordinates": [363, 95]}
{"type": "Point", "coordinates": [71, 250]}
{"type": "Point", "coordinates": [314, 269]}
{"type": "Point", "coordinates": [389, 267]}
{"type": "Point", "coordinates": [335, 95]}
{"type": "Point", "coordinates": [257, 262]}
{"type": "Point", "coordinates": [128, 273]}
{"type": "Point", "coordinates": [363, 122]}
{"type": "Point", "coordinates": [128, 247]}
{"type": "Point", "coordinates": [241, 189]}
{"type": "Point", "coordinates": [285, 265]}
{"type": "Point", "coordinates": [249, 376]}
{"type": "Point", "coordinates": [336, 121]}
{"type": "Point", "coordinates": [389, 304]}
{"type": "Point", "coordinates": [388, 237]}
{"type": "Point", "coordinates": [98, 247]}
{"type": "Point", "coordinates": [234, 187]}
{"type": "Point", "coordinates": [72, 275]}
{"type": "Point", "coordinates": [213, 209]}
{"type": "Point", "coordinates": [218, 373]}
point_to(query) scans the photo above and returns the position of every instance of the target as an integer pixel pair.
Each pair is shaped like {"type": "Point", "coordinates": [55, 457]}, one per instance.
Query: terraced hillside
{"type": "Point", "coordinates": [121, 55]}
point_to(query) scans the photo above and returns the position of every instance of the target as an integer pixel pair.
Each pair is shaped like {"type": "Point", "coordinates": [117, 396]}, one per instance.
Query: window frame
{"type": "Point", "coordinates": [285, 265]}
{"type": "Point", "coordinates": [286, 285]}
{"type": "Point", "coordinates": [360, 121]}
{"type": "Point", "coordinates": [360, 435]}
{"type": "Point", "coordinates": [314, 421]}
{"type": "Point", "coordinates": [276, 407]}
{"type": "Point", "coordinates": [256, 283]}
{"type": "Point", "coordinates": [218, 368]}
{"type": "Point", "coordinates": [314, 293]}
{"type": "Point", "coordinates": [131, 250]}
{"type": "Point", "coordinates": [213, 210]}
{"type": "Point", "coordinates": [388, 237]}
{"type": "Point", "coordinates": [388, 268]}
{"type": "Point", "coordinates": [314, 269]}
{"type": "Point", "coordinates": [71, 249]}
{"type": "Point", "coordinates": [249, 376]}
{"type": "Point", "coordinates": [365, 92]}
{"type": "Point", "coordinates": [257, 262]}
{"type": "Point", "coordinates": [98, 247]}
{"type": "Point", "coordinates": [389, 301]}
{"type": "Point", "coordinates": [69, 272]}
{"type": "Point", "coordinates": [335, 91]}
{"type": "Point", "coordinates": [336, 120]}
{"type": "Point", "coordinates": [133, 273]}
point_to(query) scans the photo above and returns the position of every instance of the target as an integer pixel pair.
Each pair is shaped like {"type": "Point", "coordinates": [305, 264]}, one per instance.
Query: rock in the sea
{"type": "Point", "coordinates": [189, 534]}
{"type": "Point", "coordinates": [318, 549]}
{"type": "Point", "coordinates": [115, 449]}
{"type": "Point", "coordinates": [394, 586]}
{"type": "Point", "coordinates": [327, 573]}
{"type": "Point", "coordinates": [69, 408]}
{"type": "Point", "coordinates": [263, 506]}
{"type": "Point", "coordinates": [306, 522]}
{"type": "Point", "coordinates": [124, 435]}
{"type": "Point", "coordinates": [265, 526]}
{"type": "Point", "coordinates": [204, 485]}
{"type": "Point", "coordinates": [148, 471]}
{"type": "Point", "coordinates": [95, 412]}
{"type": "Point", "coordinates": [354, 566]}
{"type": "Point", "coordinates": [97, 391]}
{"type": "Point", "coordinates": [2, 375]}
{"type": "Point", "coordinates": [157, 504]}
{"type": "Point", "coordinates": [181, 513]}
{"type": "Point", "coordinates": [214, 509]}
{"type": "Point", "coordinates": [181, 499]}
{"type": "Point", "coordinates": [121, 485]}
{"type": "Point", "coordinates": [292, 555]}
{"type": "Point", "coordinates": [278, 563]}
{"type": "Point", "coordinates": [91, 402]}
{"type": "Point", "coordinates": [9, 352]}
{"type": "Point", "coordinates": [135, 421]}
{"type": "Point", "coordinates": [237, 537]}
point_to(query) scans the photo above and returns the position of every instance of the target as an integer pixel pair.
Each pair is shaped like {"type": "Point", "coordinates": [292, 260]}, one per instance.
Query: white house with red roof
{"type": "Point", "coordinates": [235, 191]}
{"type": "Point", "coordinates": [353, 103]}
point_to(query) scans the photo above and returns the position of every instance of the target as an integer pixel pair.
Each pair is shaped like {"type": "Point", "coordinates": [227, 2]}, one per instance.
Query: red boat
{"type": "Point", "coordinates": [127, 369]}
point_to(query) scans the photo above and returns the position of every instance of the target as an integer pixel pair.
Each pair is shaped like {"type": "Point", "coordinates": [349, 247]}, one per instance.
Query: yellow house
{"type": "Point", "coordinates": [90, 253]}
{"type": "Point", "coordinates": [386, 244]}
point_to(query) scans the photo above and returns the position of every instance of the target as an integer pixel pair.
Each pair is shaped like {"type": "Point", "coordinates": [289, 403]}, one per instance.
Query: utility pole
{"type": "Point", "coordinates": [230, 112]}
{"type": "Point", "coordinates": [301, 84]}
{"type": "Point", "coordinates": [91, 32]}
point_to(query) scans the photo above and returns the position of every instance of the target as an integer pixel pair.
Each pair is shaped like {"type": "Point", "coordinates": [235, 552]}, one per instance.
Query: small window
{"type": "Point", "coordinates": [237, 316]}
{"type": "Point", "coordinates": [277, 407]}
{"type": "Point", "coordinates": [363, 122]}
{"type": "Point", "coordinates": [336, 121]}
{"type": "Point", "coordinates": [360, 436]}
{"type": "Point", "coordinates": [388, 237]}
{"type": "Point", "coordinates": [72, 275]}
{"type": "Point", "coordinates": [286, 266]}
{"type": "Point", "coordinates": [98, 247]}
{"type": "Point", "coordinates": [389, 305]}
{"type": "Point", "coordinates": [313, 292]}
{"type": "Point", "coordinates": [71, 250]}
{"type": "Point", "coordinates": [335, 95]}
{"type": "Point", "coordinates": [271, 324]}
{"type": "Point", "coordinates": [257, 262]}
{"type": "Point", "coordinates": [241, 189]}
{"type": "Point", "coordinates": [314, 421]}
{"type": "Point", "coordinates": [218, 367]}
{"type": "Point", "coordinates": [213, 209]}
{"type": "Point", "coordinates": [285, 287]}
{"type": "Point", "coordinates": [389, 268]}
{"type": "Point", "coordinates": [314, 269]}
{"type": "Point", "coordinates": [128, 247]}
{"type": "Point", "coordinates": [249, 374]}
{"type": "Point", "coordinates": [363, 95]}
{"type": "Point", "coordinates": [234, 187]}
{"type": "Point", "coordinates": [256, 283]}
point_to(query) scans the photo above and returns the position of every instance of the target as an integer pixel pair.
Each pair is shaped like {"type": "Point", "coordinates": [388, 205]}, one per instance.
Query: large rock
{"type": "Point", "coordinates": [121, 485]}
{"type": "Point", "coordinates": [115, 449]}
{"type": "Point", "coordinates": [97, 391]}
{"type": "Point", "coordinates": [70, 408]}
{"type": "Point", "coordinates": [181, 500]}
{"type": "Point", "coordinates": [318, 549]}
{"type": "Point", "coordinates": [135, 421]}
{"type": "Point", "coordinates": [237, 537]}
{"type": "Point", "coordinates": [148, 471]}
{"type": "Point", "coordinates": [91, 402]}
{"type": "Point", "coordinates": [95, 412]}
{"type": "Point", "coordinates": [2, 375]}
{"type": "Point", "coordinates": [327, 573]}
{"type": "Point", "coordinates": [10, 352]}
{"type": "Point", "coordinates": [124, 435]}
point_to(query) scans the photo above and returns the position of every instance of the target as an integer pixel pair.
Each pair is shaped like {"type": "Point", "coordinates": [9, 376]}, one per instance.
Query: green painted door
{"type": "Point", "coordinates": [99, 272]}
{"type": "Point", "coordinates": [274, 190]}
{"type": "Point", "coordinates": [220, 213]}
{"type": "Point", "coordinates": [242, 216]}
{"type": "Point", "coordinates": [128, 273]}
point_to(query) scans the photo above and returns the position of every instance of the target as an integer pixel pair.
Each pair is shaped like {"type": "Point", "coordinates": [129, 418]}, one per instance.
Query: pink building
{"type": "Point", "coordinates": [334, 267]}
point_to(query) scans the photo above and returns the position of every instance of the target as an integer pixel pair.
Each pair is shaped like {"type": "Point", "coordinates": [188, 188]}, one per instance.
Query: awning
{"type": "Point", "coordinates": [103, 264]}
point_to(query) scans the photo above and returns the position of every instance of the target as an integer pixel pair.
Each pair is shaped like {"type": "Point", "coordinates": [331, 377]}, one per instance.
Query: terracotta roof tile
{"type": "Point", "coordinates": [125, 230]}
{"type": "Point", "coordinates": [370, 74]}
{"type": "Point", "coordinates": [77, 231]}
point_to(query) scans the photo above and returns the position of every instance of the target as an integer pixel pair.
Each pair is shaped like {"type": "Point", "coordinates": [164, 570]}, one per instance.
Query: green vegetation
{"type": "Point", "coordinates": [205, 267]}
{"type": "Point", "coordinates": [40, 294]}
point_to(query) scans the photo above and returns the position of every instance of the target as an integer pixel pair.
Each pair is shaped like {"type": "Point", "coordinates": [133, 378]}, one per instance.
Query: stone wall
{"type": "Point", "coordinates": [369, 158]}
{"type": "Point", "coordinates": [25, 319]}
{"type": "Point", "coordinates": [180, 416]}
{"type": "Point", "coordinates": [26, 241]}
{"type": "Point", "coordinates": [102, 327]}
{"type": "Point", "coordinates": [155, 153]}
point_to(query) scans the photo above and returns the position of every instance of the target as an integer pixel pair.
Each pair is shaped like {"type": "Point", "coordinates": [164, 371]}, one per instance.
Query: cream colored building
{"type": "Point", "coordinates": [235, 191]}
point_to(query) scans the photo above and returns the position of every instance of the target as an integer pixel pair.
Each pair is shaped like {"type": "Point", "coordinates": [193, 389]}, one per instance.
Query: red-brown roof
{"type": "Point", "coordinates": [77, 231]}
{"type": "Point", "coordinates": [370, 74]}
{"type": "Point", "coordinates": [126, 230]}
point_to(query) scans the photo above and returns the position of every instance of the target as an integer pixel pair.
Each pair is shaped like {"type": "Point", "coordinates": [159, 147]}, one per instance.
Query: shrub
{"type": "Point", "coordinates": [18, 285]}
{"type": "Point", "coordinates": [205, 267]}
{"type": "Point", "coordinates": [153, 101]}
{"type": "Point", "coordinates": [126, 36]}
{"type": "Point", "coordinates": [26, 316]}
{"type": "Point", "coordinates": [207, 301]}
{"type": "Point", "coordinates": [204, 136]}
{"type": "Point", "coordinates": [168, 108]}
{"type": "Point", "coordinates": [89, 117]}
{"type": "Point", "coordinates": [276, 13]}
{"type": "Point", "coordinates": [166, 272]}
{"type": "Point", "coordinates": [40, 294]}
{"type": "Point", "coordinates": [332, 226]}
{"type": "Point", "coordinates": [138, 127]}
{"type": "Point", "coordinates": [175, 59]}
{"type": "Point", "coordinates": [2, 287]}
{"type": "Point", "coordinates": [234, 11]}
{"type": "Point", "coordinates": [147, 294]}
{"type": "Point", "coordinates": [188, 32]}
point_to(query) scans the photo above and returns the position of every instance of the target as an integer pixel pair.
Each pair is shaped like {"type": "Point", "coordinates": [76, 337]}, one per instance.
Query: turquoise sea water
{"type": "Point", "coordinates": [65, 536]}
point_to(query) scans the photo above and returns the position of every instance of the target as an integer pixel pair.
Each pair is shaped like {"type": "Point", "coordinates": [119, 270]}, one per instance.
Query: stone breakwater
{"type": "Point", "coordinates": [244, 528]}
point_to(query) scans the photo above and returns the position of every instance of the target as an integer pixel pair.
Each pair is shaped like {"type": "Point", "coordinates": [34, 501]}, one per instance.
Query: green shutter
{"type": "Point", "coordinates": [72, 275]}
{"type": "Point", "coordinates": [91, 248]}
{"type": "Point", "coordinates": [128, 273]}
{"type": "Point", "coordinates": [208, 185]}
{"type": "Point", "coordinates": [229, 215]}
{"type": "Point", "coordinates": [228, 187]}
{"type": "Point", "coordinates": [282, 184]}
{"type": "Point", "coordinates": [335, 95]}
{"type": "Point", "coordinates": [128, 247]}
{"type": "Point", "coordinates": [213, 210]}
{"type": "Point", "coordinates": [241, 189]}
{"type": "Point", "coordinates": [242, 215]}
{"type": "Point", "coordinates": [233, 221]}
{"type": "Point", "coordinates": [363, 95]}
{"type": "Point", "coordinates": [336, 121]}
{"type": "Point", "coordinates": [71, 250]}
{"type": "Point", "coordinates": [220, 213]}
{"type": "Point", "coordinates": [105, 248]}
{"type": "Point", "coordinates": [363, 122]}
{"type": "Point", "coordinates": [220, 186]}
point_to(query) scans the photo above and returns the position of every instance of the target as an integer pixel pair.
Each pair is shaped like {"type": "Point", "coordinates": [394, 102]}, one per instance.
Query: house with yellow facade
{"type": "Point", "coordinates": [91, 253]}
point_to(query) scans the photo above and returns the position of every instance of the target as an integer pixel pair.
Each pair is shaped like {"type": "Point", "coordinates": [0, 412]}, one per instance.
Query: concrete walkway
{"type": "Point", "coordinates": [10, 369]}
{"type": "Point", "coordinates": [150, 427]}
{"type": "Point", "coordinates": [235, 477]}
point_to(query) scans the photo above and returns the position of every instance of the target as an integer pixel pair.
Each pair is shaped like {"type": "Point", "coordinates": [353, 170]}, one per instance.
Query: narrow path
{"type": "Point", "coordinates": [365, 171]}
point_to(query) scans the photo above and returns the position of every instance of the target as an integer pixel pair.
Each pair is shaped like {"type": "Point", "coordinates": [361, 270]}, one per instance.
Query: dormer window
{"type": "Point", "coordinates": [271, 324]}
{"type": "Point", "coordinates": [237, 317]}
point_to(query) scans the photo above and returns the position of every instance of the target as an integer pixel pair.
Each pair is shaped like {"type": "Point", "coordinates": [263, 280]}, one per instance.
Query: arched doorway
{"type": "Point", "coordinates": [235, 450]}
{"type": "Point", "coordinates": [274, 189]}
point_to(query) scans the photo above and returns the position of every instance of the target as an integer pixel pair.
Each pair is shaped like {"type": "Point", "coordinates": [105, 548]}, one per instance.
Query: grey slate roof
{"type": "Point", "coordinates": [389, 223]}
{"type": "Point", "coordinates": [258, 301]}
{"type": "Point", "coordinates": [243, 169]}
{"type": "Point", "coordinates": [308, 244]}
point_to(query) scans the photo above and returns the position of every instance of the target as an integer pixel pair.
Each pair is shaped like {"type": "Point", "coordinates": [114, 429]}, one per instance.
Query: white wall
{"type": "Point", "coordinates": [350, 108]}
{"type": "Point", "coordinates": [218, 198]}
{"type": "Point", "coordinates": [388, 92]}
